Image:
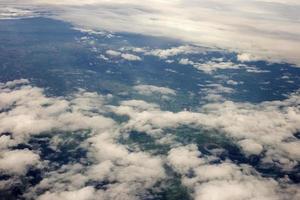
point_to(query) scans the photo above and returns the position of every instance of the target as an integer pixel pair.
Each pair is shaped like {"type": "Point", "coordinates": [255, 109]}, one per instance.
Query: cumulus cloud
{"type": "Point", "coordinates": [87, 193]}
{"type": "Point", "coordinates": [209, 66]}
{"type": "Point", "coordinates": [113, 170]}
{"type": "Point", "coordinates": [246, 57]}
{"type": "Point", "coordinates": [26, 111]}
{"type": "Point", "coordinates": [18, 161]}
{"type": "Point", "coordinates": [126, 56]}
{"type": "Point", "coordinates": [222, 181]}
{"type": "Point", "coordinates": [184, 158]}
{"type": "Point", "coordinates": [232, 82]}
{"type": "Point", "coordinates": [39, 113]}
{"type": "Point", "coordinates": [174, 51]}
{"type": "Point", "coordinates": [127, 174]}
{"type": "Point", "coordinates": [130, 57]}
{"type": "Point", "coordinates": [113, 53]}
{"type": "Point", "coordinates": [251, 147]}
{"type": "Point", "coordinates": [214, 92]}
{"type": "Point", "coordinates": [268, 125]}
{"type": "Point", "coordinates": [152, 89]}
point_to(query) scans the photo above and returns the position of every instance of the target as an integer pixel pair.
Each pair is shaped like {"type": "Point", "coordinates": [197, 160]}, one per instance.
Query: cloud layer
{"type": "Point", "coordinates": [112, 169]}
{"type": "Point", "coordinates": [261, 29]}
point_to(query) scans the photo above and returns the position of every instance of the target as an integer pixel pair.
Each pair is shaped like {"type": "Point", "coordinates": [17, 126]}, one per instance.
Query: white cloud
{"type": "Point", "coordinates": [210, 66]}
{"type": "Point", "coordinates": [252, 69]}
{"type": "Point", "coordinates": [14, 83]}
{"type": "Point", "coordinates": [186, 61]}
{"type": "Point", "coordinates": [214, 92]}
{"type": "Point", "coordinates": [113, 53]}
{"type": "Point", "coordinates": [18, 161]}
{"type": "Point", "coordinates": [184, 158]}
{"type": "Point", "coordinates": [223, 181]}
{"type": "Point", "coordinates": [129, 173]}
{"type": "Point", "coordinates": [126, 56]}
{"type": "Point", "coordinates": [246, 57]}
{"type": "Point", "coordinates": [251, 189]}
{"type": "Point", "coordinates": [87, 193]}
{"type": "Point", "coordinates": [15, 13]}
{"type": "Point", "coordinates": [174, 51]}
{"type": "Point", "coordinates": [152, 89]}
{"type": "Point", "coordinates": [266, 127]}
{"type": "Point", "coordinates": [232, 82]}
{"type": "Point", "coordinates": [265, 29]}
{"type": "Point", "coordinates": [27, 111]}
{"type": "Point", "coordinates": [39, 113]}
{"type": "Point", "coordinates": [130, 57]}
{"type": "Point", "coordinates": [251, 147]}
{"type": "Point", "coordinates": [140, 105]}
{"type": "Point", "coordinates": [269, 124]}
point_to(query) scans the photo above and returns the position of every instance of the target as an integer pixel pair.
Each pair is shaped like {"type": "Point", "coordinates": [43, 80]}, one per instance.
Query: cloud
{"type": "Point", "coordinates": [39, 113]}
{"type": "Point", "coordinates": [87, 193]}
{"type": "Point", "coordinates": [264, 29]}
{"type": "Point", "coordinates": [152, 89]}
{"type": "Point", "coordinates": [130, 57]}
{"type": "Point", "coordinates": [113, 53]}
{"type": "Point", "coordinates": [270, 124]}
{"type": "Point", "coordinates": [16, 13]}
{"type": "Point", "coordinates": [223, 181]}
{"type": "Point", "coordinates": [214, 92]}
{"type": "Point", "coordinates": [115, 170]}
{"type": "Point", "coordinates": [252, 69]}
{"type": "Point", "coordinates": [184, 158]}
{"type": "Point", "coordinates": [232, 82]}
{"type": "Point", "coordinates": [126, 56]}
{"type": "Point", "coordinates": [15, 83]}
{"type": "Point", "coordinates": [174, 51]}
{"type": "Point", "coordinates": [246, 57]}
{"type": "Point", "coordinates": [124, 174]}
{"type": "Point", "coordinates": [210, 66]}
{"type": "Point", "coordinates": [251, 147]}
{"type": "Point", "coordinates": [140, 105]}
{"type": "Point", "coordinates": [18, 161]}
{"type": "Point", "coordinates": [246, 189]}
{"type": "Point", "coordinates": [26, 112]}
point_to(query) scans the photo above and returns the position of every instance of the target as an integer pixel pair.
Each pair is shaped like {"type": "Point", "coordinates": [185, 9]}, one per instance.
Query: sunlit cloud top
{"type": "Point", "coordinates": [265, 28]}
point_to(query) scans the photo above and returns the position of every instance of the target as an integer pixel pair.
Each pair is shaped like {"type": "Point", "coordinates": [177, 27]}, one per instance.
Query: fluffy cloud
{"type": "Point", "coordinates": [39, 113]}
{"type": "Point", "coordinates": [246, 57]}
{"type": "Point", "coordinates": [174, 51]}
{"type": "Point", "coordinates": [18, 161]}
{"type": "Point", "coordinates": [126, 56]}
{"type": "Point", "coordinates": [184, 158]}
{"type": "Point", "coordinates": [251, 147]}
{"type": "Point", "coordinates": [87, 193]}
{"type": "Point", "coordinates": [246, 189]}
{"type": "Point", "coordinates": [113, 53]}
{"type": "Point", "coordinates": [216, 89]}
{"type": "Point", "coordinates": [223, 181]}
{"type": "Point", "coordinates": [26, 111]}
{"type": "Point", "coordinates": [210, 66]}
{"type": "Point", "coordinates": [152, 89]}
{"type": "Point", "coordinates": [113, 170]}
{"type": "Point", "coordinates": [269, 125]}
{"type": "Point", "coordinates": [130, 57]}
